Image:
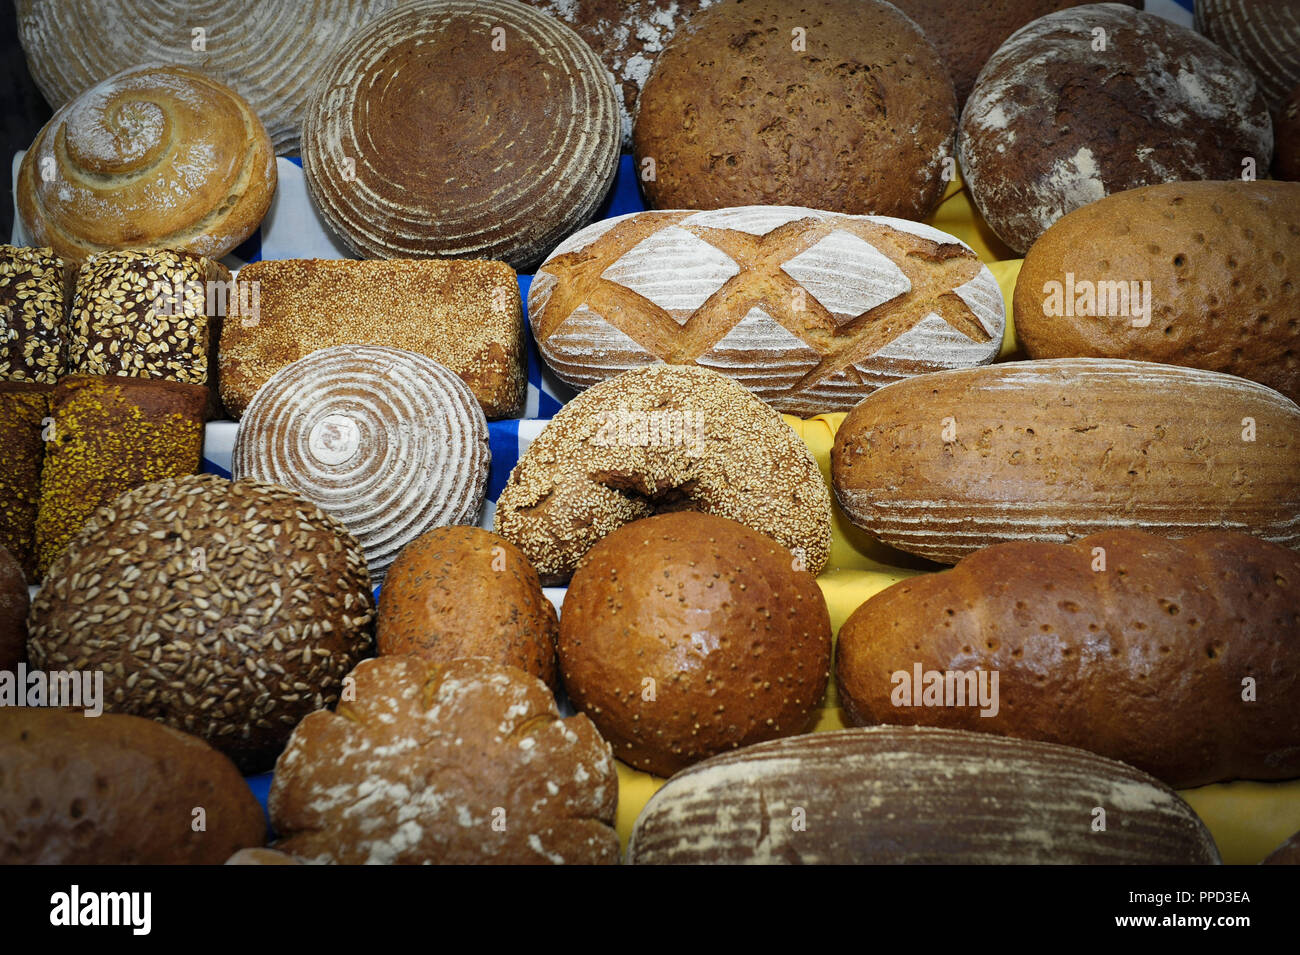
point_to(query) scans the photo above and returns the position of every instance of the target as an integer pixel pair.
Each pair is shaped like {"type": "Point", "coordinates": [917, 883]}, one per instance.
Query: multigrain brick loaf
{"type": "Point", "coordinates": [916, 795]}
{"type": "Point", "coordinates": [466, 315]}
{"type": "Point", "coordinates": [33, 321]}
{"type": "Point", "coordinates": [24, 425]}
{"type": "Point", "coordinates": [1181, 658]}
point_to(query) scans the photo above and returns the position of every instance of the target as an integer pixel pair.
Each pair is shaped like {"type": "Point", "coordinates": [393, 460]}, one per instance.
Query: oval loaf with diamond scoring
{"type": "Point", "coordinates": [809, 310]}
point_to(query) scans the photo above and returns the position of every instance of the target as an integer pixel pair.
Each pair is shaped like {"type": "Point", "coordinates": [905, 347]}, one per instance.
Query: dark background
{"type": "Point", "coordinates": [22, 108]}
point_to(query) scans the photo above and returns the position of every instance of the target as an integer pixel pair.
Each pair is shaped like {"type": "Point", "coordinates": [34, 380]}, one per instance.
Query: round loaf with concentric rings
{"type": "Point", "coordinates": [451, 128]}
{"type": "Point", "coordinates": [387, 441]}
{"type": "Point", "coordinates": [153, 157]}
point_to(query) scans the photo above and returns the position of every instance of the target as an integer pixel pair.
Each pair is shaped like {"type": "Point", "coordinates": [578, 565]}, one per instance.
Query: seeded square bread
{"type": "Point", "coordinates": [24, 410]}
{"type": "Point", "coordinates": [33, 320]}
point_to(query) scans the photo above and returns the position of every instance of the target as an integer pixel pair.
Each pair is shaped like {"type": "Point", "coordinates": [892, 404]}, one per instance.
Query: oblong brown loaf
{"type": "Point", "coordinates": [1217, 263]}
{"type": "Point", "coordinates": [461, 128]}
{"type": "Point", "coordinates": [809, 310]}
{"type": "Point", "coordinates": [915, 795]}
{"type": "Point", "coordinates": [662, 438]}
{"type": "Point", "coordinates": [117, 790]}
{"type": "Point", "coordinates": [1263, 34]}
{"type": "Point", "coordinates": [1055, 450]}
{"type": "Point", "coordinates": [1140, 651]}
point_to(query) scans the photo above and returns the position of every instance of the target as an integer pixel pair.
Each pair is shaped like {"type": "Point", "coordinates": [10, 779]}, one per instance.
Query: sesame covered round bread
{"type": "Point", "coordinates": [467, 762]}
{"type": "Point", "coordinates": [662, 438]}
{"type": "Point", "coordinates": [388, 441]}
{"type": "Point", "coordinates": [229, 610]}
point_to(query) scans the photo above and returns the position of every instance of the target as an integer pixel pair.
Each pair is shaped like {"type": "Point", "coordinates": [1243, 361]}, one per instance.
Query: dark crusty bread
{"type": "Point", "coordinates": [117, 790]}
{"type": "Point", "coordinates": [915, 795]}
{"type": "Point", "coordinates": [24, 414]}
{"type": "Point", "coordinates": [1142, 660]}
{"type": "Point", "coordinates": [1053, 124]}
{"type": "Point", "coordinates": [33, 314]}
{"type": "Point", "coordinates": [465, 592]}
{"type": "Point", "coordinates": [841, 105]}
{"type": "Point", "coordinates": [686, 635]}
{"type": "Point", "coordinates": [1286, 155]}
{"type": "Point", "coordinates": [13, 612]}
{"type": "Point", "coordinates": [465, 762]}
{"type": "Point", "coordinates": [1288, 853]}
{"type": "Point", "coordinates": [1263, 34]}
{"type": "Point", "coordinates": [1222, 260]}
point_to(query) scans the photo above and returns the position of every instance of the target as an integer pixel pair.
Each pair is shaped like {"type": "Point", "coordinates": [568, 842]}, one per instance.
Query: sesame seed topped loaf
{"type": "Point", "coordinates": [466, 315]}
{"type": "Point", "coordinates": [662, 438]}
{"type": "Point", "coordinates": [108, 435]}
{"type": "Point", "coordinates": [809, 310]}
{"type": "Point", "coordinates": [33, 325]}
{"type": "Point", "coordinates": [476, 129]}
{"type": "Point", "coordinates": [452, 764]}
{"type": "Point", "coordinates": [389, 442]}
{"type": "Point", "coordinates": [229, 610]}
{"type": "Point", "coordinates": [24, 420]}
{"type": "Point", "coordinates": [152, 157]}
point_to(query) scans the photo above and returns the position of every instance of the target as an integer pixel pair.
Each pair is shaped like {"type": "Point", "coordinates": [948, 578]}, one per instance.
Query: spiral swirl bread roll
{"type": "Point", "coordinates": [662, 438]}
{"type": "Point", "coordinates": [461, 129]}
{"type": "Point", "coordinates": [388, 441]}
{"type": "Point", "coordinates": [151, 157]}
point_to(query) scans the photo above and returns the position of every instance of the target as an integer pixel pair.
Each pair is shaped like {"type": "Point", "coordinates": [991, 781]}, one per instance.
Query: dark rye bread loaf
{"type": "Point", "coordinates": [920, 796]}
{"type": "Point", "coordinates": [463, 129]}
{"type": "Point", "coordinates": [841, 105]}
{"type": "Point", "coordinates": [1181, 658]}
{"type": "Point", "coordinates": [117, 790]}
{"type": "Point", "coordinates": [34, 285]}
{"type": "Point", "coordinates": [1053, 124]}
{"type": "Point", "coordinates": [1221, 267]}
{"type": "Point", "coordinates": [944, 464]}
{"type": "Point", "coordinates": [1263, 34]}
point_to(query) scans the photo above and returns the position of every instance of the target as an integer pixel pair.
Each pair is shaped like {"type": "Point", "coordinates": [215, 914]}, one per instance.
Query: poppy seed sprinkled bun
{"type": "Point", "coordinates": [229, 610]}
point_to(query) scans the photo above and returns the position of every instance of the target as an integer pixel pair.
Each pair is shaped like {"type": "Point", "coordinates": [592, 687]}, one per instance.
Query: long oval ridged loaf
{"type": "Point", "coordinates": [916, 795]}
{"type": "Point", "coordinates": [387, 441]}
{"type": "Point", "coordinates": [1055, 450]}
{"type": "Point", "coordinates": [809, 310]}
{"type": "Point", "coordinates": [1181, 658]}
{"type": "Point", "coordinates": [1205, 274]}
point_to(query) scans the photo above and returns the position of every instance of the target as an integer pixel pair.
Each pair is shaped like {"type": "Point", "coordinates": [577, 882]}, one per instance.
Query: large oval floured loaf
{"type": "Point", "coordinates": [1056, 450]}
{"type": "Point", "coordinates": [916, 795]}
{"type": "Point", "coordinates": [662, 438]}
{"type": "Point", "coordinates": [809, 310]}
{"type": "Point", "coordinates": [387, 441]}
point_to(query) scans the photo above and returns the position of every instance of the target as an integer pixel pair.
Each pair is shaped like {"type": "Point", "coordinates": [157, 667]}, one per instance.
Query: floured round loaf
{"type": "Point", "coordinates": [835, 104]}
{"type": "Point", "coordinates": [655, 439]}
{"type": "Point", "coordinates": [1053, 124]}
{"type": "Point", "coordinates": [461, 128]}
{"type": "Point", "coordinates": [1055, 450]}
{"type": "Point", "coordinates": [919, 796]}
{"type": "Point", "coordinates": [809, 310]}
{"type": "Point", "coordinates": [1263, 34]}
{"type": "Point", "coordinates": [387, 441]}
{"type": "Point", "coordinates": [1205, 274]}
{"type": "Point", "coordinates": [464, 763]}
{"type": "Point", "coordinates": [1177, 657]}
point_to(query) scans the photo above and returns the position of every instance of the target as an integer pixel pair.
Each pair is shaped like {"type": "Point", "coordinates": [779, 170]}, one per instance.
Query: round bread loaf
{"type": "Point", "coordinates": [465, 592]}
{"type": "Point", "coordinates": [13, 612]}
{"type": "Point", "coordinates": [387, 441]}
{"type": "Point", "coordinates": [117, 790]}
{"type": "Point", "coordinates": [461, 128]}
{"type": "Point", "coordinates": [1286, 157]}
{"type": "Point", "coordinates": [686, 635]}
{"type": "Point", "coordinates": [662, 438]}
{"type": "Point", "coordinates": [261, 856]}
{"type": "Point", "coordinates": [161, 157]}
{"type": "Point", "coordinates": [1055, 122]}
{"type": "Point", "coordinates": [1288, 853]}
{"type": "Point", "coordinates": [226, 609]}
{"type": "Point", "coordinates": [1263, 34]}
{"type": "Point", "coordinates": [463, 763]}
{"type": "Point", "coordinates": [841, 105]}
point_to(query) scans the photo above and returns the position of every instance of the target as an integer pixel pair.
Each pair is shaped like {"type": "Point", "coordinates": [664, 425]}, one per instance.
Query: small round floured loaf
{"type": "Point", "coordinates": [662, 438]}
{"type": "Point", "coordinates": [153, 157]}
{"type": "Point", "coordinates": [1263, 34]}
{"type": "Point", "coordinates": [464, 763]}
{"type": "Point", "coordinates": [464, 129]}
{"type": "Point", "coordinates": [1054, 124]}
{"type": "Point", "coordinates": [388, 441]}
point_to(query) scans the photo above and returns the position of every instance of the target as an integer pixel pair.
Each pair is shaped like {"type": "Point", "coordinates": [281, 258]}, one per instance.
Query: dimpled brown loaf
{"type": "Point", "coordinates": [686, 635]}
{"type": "Point", "coordinates": [662, 438]}
{"type": "Point", "coordinates": [117, 790]}
{"type": "Point", "coordinates": [1123, 643]}
{"type": "Point", "coordinates": [13, 611]}
{"type": "Point", "coordinates": [229, 610]}
{"type": "Point", "coordinates": [465, 592]}
{"type": "Point", "coordinates": [467, 762]}
{"type": "Point", "coordinates": [841, 105]}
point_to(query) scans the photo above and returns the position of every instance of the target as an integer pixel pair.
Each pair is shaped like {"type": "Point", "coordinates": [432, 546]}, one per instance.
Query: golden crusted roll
{"type": "Point", "coordinates": [151, 157]}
